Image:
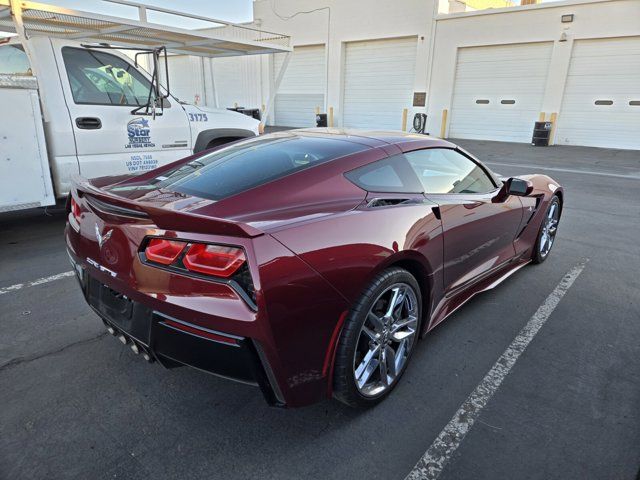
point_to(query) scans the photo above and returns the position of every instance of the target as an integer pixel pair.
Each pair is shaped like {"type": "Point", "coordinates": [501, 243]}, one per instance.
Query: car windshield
{"type": "Point", "coordinates": [249, 164]}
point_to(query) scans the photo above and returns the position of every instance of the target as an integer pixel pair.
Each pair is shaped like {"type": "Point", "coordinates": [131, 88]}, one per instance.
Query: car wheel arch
{"type": "Point", "coordinates": [206, 137]}
{"type": "Point", "coordinates": [419, 267]}
{"type": "Point", "coordinates": [560, 194]}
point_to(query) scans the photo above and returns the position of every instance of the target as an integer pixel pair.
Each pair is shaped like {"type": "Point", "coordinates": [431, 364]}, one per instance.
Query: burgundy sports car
{"type": "Point", "coordinates": [308, 262]}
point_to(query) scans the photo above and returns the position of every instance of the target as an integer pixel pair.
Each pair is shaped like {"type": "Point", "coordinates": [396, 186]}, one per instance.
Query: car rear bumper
{"type": "Point", "coordinates": [174, 342]}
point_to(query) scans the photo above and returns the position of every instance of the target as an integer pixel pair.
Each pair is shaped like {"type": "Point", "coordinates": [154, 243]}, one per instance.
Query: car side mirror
{"type": "Point", "coordinates": [518, 187]}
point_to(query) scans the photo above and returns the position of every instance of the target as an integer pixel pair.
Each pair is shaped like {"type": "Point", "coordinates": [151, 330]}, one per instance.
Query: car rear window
{"type": "Point", "coordinates": [249, 164]}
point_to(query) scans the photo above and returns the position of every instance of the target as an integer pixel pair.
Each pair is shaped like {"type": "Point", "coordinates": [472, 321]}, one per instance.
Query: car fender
{"type": "Point", "coordinates": [208, 124]}
{"type": "Point", "coordinates": [349, 249]}
{"type": "Point", "coordinates": [535, 205]}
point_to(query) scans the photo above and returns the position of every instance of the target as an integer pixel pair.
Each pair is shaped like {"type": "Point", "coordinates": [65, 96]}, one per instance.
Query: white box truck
{"type": "Point", "coordinates": [68, 107]}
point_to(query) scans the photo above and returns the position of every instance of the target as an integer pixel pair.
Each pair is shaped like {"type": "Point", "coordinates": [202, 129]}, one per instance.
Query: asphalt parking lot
{"type": "Point", "coordinates": [78, 404]}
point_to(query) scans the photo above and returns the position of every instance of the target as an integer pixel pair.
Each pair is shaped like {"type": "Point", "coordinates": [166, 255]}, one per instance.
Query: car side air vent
{"type": "Point", "coordinates": [386, 202]}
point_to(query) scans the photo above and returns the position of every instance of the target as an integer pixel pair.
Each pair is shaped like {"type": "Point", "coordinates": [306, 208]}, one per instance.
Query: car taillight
{"type": "Point", "coordinates": [220, 262]}
{"type": "Point", "coordinates": [216, 260]}
{"type": "Point", "coordinates": [163, 251]}
{"type": "Point", "coordinates": [75, 209]}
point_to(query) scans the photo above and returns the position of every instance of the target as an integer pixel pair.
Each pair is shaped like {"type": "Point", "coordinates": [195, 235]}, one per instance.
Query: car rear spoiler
{"type": "Point", "coordinates": [163, 218]}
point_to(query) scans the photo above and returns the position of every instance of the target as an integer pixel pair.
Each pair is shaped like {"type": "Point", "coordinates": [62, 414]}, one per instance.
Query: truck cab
{"type": "Point", "coordinates": [94, 124]}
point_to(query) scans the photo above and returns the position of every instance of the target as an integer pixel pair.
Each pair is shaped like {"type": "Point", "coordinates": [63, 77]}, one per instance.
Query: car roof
{"type": "Point", "coordinates": [371, 138]}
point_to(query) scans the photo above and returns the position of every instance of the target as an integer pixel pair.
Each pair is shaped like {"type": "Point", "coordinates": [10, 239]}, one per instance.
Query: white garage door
{"type": "Point", "coordinates": [237, 81]}
{"type": "Point", "coordinates": [601, 103]}
{"type": "Point", "coordinates": [185, 78]}
{"type": "Point", "coordinates": [302, 87]}
{"type": "Point", "coordinates": [378, 82]}
{"type": "Point", "coordinates": [498, 91]}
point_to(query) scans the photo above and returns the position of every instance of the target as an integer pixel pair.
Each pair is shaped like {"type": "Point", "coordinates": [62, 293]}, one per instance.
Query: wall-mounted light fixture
{"type": "Point", "coordinates": [563, 37]}
{"type": "Point", "coordinates": [567, 18]}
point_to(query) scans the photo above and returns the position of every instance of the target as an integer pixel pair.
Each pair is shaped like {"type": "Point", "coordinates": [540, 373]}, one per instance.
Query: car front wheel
{"type": "Point", "coordinates": [548, 231]}
{"type": "Point", "coordinates": [378, 338]}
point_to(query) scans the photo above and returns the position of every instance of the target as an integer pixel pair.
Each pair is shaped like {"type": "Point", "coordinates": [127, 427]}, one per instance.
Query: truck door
{"type": "Point", "coordinates": [101, 90]}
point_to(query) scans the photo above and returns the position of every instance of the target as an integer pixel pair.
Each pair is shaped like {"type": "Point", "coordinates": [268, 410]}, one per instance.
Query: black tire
{"type": "Point", "coordinates": [537, 256]}
{"type": "Point", "coordinates": [344, 383]}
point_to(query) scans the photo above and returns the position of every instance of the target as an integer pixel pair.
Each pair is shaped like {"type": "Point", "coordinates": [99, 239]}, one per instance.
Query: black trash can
{"type": "Point", "coordinates": [541, 134]}
{"type": "Point", "coordinates": [250, 112]}
{"type": "Point", "coordinates": [321, 120]}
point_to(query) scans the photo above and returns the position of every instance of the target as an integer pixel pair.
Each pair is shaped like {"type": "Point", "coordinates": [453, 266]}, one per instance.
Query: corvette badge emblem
{"type": "Point", "coordinates": [102, 238]}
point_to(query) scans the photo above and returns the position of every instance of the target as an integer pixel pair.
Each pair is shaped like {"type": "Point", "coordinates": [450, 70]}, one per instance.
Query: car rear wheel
{"type": "Point", "coordinates": [548, 231]}
{"type": "Point", "coordinates": [378, 338]}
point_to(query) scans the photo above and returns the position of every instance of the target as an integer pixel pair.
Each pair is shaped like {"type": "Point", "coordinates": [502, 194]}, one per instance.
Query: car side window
{"type": "Point", "coordinates": [389, 175]}
{"type": "Point", "coordinates": [99, 78]}
{"type": "Point", "coordinates": [14, 61]}
{"type": "Point", "coordinates": [443, 170]}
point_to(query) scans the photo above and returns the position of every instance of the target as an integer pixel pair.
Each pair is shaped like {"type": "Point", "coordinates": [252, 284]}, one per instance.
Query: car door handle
{"type": "Point", "coordinates": [88, 123]}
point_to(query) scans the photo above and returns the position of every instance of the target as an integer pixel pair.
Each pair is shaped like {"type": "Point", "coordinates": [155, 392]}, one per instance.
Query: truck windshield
{"type": "Point", "coordinates": [14, 61]}
{"type": "Point", "coordinates": [99, 78]}
{"type": "Point", "coordinates": [252, 163]}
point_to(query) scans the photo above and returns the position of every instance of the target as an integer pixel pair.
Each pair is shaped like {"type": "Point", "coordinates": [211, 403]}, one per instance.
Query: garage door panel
{"type": "Point", "coordinates": [235, 80]}
{"type": "Point", "coordinates": [510, 73]}
{"type": "Point", "coordinates": [378, 82]}
{"type": "Point", "coordinates": [616, 68]}
{"type": "Point", "coordinates": [503, 53]}
{"type": "Point", "coordinates": [502, 69]}
{"type": "Point", "coordinates": [619, 86]}
{"type": "Point", "coordinates": [498, 84]}
{"type": "Point", "coordinates": [302, 87]}
{"type": "Point", "coordinates": [494, 98]}
{"type": "Point", "coordinates": [622, 46]}
{"type": "Point", "coordinates": [602, 69]}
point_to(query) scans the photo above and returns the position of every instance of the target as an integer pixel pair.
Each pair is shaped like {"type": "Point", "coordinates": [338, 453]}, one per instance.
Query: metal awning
{"type": "Point", "coordinates": [224, 39]}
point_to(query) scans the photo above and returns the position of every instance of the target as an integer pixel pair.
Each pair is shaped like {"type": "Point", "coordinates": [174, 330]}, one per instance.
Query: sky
{"type": "Point", "coordinates": [230, 10]}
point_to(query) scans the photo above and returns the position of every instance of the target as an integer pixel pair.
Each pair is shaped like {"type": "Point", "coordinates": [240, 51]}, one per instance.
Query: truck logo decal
{"type": "Point", "coordinates": [139, 133]}
{"type": "Point", "coordinates": [102, 239]}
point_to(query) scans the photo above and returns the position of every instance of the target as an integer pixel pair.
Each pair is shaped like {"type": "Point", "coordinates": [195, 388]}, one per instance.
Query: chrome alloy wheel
{"type": "Point", "coordinates": [385, 340]}
{"type": "Point", "coordinates": [549, 229]}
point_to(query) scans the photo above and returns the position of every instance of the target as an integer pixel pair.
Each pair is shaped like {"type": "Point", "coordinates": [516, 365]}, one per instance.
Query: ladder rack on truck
{"type": "Point", "coordinates": [84, 107]}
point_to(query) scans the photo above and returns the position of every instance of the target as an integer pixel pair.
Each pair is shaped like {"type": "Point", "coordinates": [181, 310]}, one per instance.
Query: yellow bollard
{"type": "Point", "coordinates": [405, 111]}
{"type": "Point", "coordinates": [443, 127]}
{"type": "Point", "coordinates": [330, 117]}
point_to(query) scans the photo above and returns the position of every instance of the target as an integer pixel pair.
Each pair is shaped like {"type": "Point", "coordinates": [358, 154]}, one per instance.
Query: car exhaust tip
{"type": "Point", "coordinates": [110, 329]}
{"type": "Point", "coordinates": [135, 348]}
{"type": "Point", "coordinates": [123, 339]}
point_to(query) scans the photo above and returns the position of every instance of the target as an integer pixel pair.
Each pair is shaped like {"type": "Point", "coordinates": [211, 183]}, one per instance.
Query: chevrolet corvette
{"type": "Point", "coordinates": [309, 262]}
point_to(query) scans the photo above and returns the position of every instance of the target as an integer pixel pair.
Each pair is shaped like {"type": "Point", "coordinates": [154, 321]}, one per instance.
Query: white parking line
{"type": "Point", "coordinates": [628, 176]}
{"type": "Point", "coordinates": [40, 281]}
{"type": "Point", "coordinates": [432, 463]}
